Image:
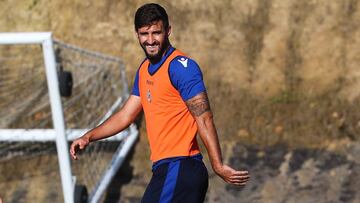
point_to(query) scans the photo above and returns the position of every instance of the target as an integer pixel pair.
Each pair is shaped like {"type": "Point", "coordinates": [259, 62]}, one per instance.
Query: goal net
{"type": "Point", "coordinates": [29, 164]}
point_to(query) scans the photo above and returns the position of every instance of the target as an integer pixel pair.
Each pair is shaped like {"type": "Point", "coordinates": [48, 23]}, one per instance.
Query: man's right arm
{"type": "Point", "coordinates": [113, 125]}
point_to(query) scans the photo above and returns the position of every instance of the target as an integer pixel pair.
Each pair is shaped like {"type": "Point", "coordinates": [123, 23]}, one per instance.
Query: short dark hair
{"type": "Point", "coordinates": [150, 13]}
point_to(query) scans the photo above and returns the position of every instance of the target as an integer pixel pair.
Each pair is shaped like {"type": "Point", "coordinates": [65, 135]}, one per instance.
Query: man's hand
{"type": "Point", "coordinates": [232, 176]}
{"type": "Point", "coordinates": [199, 107]}
{"type": "Point", "coordinates": [78, 144]}
{"type": "Point", "coordinates": [113, 125]}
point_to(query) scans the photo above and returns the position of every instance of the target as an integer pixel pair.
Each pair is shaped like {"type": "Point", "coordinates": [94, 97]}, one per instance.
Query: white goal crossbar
{"type": "Point", "coordinates": [47, 135]}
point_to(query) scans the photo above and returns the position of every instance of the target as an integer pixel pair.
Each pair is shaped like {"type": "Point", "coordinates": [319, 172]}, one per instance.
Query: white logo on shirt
{"type": "Point", "coordinates": [183, 61]}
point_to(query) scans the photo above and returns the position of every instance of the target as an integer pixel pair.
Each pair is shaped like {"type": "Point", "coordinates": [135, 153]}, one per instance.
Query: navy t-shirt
{"type": "Point", "coordinates": [184, 73]}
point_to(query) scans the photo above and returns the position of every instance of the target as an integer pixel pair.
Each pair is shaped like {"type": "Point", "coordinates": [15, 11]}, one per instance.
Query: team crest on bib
{"type": "Point", "coordinates": [148, 95]}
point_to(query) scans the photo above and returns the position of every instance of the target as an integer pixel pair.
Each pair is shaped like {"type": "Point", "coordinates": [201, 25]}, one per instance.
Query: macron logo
{"type": "Point", "coordinates": [183, 61]}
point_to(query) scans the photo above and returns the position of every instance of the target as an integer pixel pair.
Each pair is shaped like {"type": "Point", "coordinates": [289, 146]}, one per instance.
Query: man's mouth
{"type": "Point", "coordinates": [152, 48]}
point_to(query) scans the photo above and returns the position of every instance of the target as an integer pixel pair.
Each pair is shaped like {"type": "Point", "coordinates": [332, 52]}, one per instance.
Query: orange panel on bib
{"type": "Point", "coordinates": [170, 127]}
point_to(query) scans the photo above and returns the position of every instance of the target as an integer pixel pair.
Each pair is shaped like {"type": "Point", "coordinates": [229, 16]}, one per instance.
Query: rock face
{"type": "Point", "coordinates": [263, 47]}
{"type": "Point", "coordinates": [279, 73]}
{"type": "Point", "coordinates": [280, 174]}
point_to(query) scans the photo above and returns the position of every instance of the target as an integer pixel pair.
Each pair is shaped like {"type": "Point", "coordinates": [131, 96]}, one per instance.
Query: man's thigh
{"type": "Point", "coordinates": [184, 180]}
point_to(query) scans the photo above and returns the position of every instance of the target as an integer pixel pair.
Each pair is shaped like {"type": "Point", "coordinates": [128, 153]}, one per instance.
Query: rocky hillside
{"type": "Point", "coordinates": [282, 75]}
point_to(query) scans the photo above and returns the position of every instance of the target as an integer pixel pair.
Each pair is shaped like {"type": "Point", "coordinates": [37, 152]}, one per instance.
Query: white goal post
{"type": "Point", "coordinates": [45, 40]}
{"type": "Point", "coordinates": [60, 134]}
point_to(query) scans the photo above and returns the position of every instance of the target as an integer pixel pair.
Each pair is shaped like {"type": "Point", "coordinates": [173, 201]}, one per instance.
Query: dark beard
{"type": "Point", "coordinates": [157, 57]}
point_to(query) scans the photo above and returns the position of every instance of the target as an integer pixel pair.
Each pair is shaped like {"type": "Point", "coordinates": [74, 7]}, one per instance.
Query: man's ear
{"type": "Point", "coordinates": [168, 31]}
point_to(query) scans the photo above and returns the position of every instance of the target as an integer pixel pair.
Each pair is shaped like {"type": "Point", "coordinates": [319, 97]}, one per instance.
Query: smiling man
{"type": "Point", "coordinates": [169, 89]}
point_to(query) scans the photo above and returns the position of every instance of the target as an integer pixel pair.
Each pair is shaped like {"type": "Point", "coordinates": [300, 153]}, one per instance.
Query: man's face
{"type": "Point", "coordinates": [154, 39]}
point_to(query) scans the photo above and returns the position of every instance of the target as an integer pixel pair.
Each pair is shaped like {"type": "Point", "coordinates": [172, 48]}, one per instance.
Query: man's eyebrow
{"type": "Point", "coordinates": [146, 32]}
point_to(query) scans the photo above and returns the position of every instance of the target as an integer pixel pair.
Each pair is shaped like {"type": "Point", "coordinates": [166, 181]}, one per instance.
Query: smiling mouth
{"type": "Point", "coordinates": [152, 48]}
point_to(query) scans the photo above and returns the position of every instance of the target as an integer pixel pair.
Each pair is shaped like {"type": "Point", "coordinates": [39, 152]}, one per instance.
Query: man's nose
{"type": "Point", "coordinates": [150, 39]}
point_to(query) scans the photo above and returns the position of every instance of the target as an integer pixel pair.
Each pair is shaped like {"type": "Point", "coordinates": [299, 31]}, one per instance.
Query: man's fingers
{"type": "Point", "coordinates": [76, 146]}
{"type": "Point", "coordinates": [241, 173]}
{"type": "Point", "coordinates": [73, 155]}
{"type": "Point", "coordinates": [239, 184]}
{"type": "Point", "coordinates": [81, 146]}
{"type": "Point", "coordinates": [239, 181]}
{"type": "Point", "coordinates": [240, 177]}
{"type": "Point", "coordinates": [73, 149]}
{"type": "Point", "coordinates": [234, 177]}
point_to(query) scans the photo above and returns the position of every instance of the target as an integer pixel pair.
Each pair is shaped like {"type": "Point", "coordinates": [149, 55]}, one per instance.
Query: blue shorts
{"type": "Point", "coordinates": [179, 179]}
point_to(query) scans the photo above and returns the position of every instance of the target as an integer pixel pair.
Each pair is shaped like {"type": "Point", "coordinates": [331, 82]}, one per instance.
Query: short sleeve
{"type": "Point", "coordinates": [186, 77]}
{"type": "Point", "coordinates": [135, 90]}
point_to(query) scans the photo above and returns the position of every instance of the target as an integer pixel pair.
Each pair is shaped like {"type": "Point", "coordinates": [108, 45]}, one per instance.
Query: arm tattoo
{"type": "Point", "coordinates": [199, 104]}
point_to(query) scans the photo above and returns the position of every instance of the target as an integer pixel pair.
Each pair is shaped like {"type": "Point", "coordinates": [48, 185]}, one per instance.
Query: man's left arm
{"type": "Point", "coordinates": [200, 109]}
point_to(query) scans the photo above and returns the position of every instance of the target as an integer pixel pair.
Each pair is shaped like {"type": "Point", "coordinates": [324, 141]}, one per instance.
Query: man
{"type": "Point", "coordinates": [169, 89]}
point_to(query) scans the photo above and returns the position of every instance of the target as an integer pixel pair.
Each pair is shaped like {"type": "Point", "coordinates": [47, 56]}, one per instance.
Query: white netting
{"type": "Point", "coordinates": [29, 170]}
